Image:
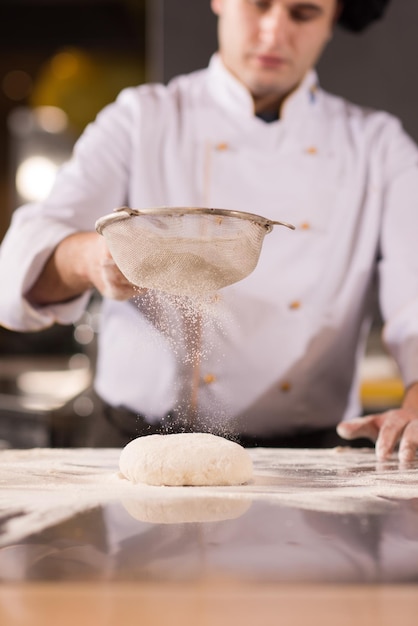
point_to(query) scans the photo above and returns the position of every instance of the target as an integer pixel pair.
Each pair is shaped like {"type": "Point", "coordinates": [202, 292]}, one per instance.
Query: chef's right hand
{"type": "Point", "coordinates": [80, 262]}
{"type": "Point", "coordinates": [105, 275]}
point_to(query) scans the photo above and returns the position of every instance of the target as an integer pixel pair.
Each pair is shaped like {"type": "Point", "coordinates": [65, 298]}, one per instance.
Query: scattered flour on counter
{"type": "Point", "coordinates": [42, 487]}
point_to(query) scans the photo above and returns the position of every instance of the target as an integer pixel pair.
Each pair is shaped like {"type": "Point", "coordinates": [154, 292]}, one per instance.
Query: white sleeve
{"type": "Point", "coordinates": [91, 184]}
{"type": "Point", "coordinates": [398, 266]}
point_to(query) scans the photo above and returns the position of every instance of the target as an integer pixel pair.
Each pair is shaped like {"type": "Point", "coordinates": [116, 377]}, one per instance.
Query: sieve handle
{"type": "Point", "coordinates": [271, 223]}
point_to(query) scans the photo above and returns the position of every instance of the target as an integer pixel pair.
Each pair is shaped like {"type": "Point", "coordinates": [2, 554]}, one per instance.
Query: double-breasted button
{"type": "Point", "coordinates": [208, 379]}
{"type": "Point", "coordinates": [294, 305]}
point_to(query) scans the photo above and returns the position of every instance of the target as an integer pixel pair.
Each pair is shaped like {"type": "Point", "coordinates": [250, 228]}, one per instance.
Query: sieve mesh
{"type": "Point", "coordinates": [184, 251]}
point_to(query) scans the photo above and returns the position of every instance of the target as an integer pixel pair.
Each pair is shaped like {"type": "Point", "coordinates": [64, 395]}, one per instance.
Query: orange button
{"type": "Point", "coordinates": [305, 226]}
{"type": "Point", "coordinates": [295, 305]}
{"type": "Point", "coordinates": [285, 386]}
{"type": "Point", "coordinates": [312, 150]}
{"type": "Point", "coordinates": [222, 146]}
{"type": "Point", "coordinates": [208, 379]}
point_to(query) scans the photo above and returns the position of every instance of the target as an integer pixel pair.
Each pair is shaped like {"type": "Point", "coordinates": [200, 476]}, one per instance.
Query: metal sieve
{"type": "Point", "coordinates": [185, 250]}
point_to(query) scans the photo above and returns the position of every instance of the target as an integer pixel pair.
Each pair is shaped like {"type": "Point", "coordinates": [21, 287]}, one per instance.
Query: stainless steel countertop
{"type": "Point", "coordinates": [309, 516]}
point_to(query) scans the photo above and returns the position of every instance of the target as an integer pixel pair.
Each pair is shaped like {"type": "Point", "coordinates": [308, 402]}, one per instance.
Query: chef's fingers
{"type": "Point", "coordinates": [387, 430]}
{"type": "Point", "coordinates": [113, 284]}
{"type": "Point", "coordinates": [367, 427]}
{"type": "Point", "coordinates": [390, 432]}
{"type": "Point", "coordinates": [409, 442]}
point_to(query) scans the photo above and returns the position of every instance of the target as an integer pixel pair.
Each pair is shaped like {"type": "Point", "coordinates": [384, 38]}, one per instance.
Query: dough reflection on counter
{"type": "Point", "coordinates": [181, 510]}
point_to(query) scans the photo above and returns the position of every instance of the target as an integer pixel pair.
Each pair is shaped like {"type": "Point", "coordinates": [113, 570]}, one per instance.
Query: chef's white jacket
{"type": "Point", "coordinates": [281, 348]}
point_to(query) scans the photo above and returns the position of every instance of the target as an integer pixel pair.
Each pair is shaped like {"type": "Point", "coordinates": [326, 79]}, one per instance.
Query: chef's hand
{"type": "Point", "coordinates": [80, 262]}
{"type": "Point", "coordinates": [388, 429]}
{"type": "Point", "coordinates": [105, 275]}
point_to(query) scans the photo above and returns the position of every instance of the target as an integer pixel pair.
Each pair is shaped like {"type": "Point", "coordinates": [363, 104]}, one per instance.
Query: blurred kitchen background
{"type": "Point", "coordinates": [61, 61]}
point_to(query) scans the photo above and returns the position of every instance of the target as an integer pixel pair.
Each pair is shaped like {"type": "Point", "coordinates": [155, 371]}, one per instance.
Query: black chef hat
{"type": "Point", "coordinates": [356, 15]}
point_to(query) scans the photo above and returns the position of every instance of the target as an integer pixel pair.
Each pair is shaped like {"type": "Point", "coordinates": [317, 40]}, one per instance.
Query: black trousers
{"type": "Point", "coordinates": [112, 427]}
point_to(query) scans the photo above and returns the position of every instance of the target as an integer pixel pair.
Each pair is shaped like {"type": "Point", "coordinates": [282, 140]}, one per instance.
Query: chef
{"type": "Point", "coordinates": [277, 362]}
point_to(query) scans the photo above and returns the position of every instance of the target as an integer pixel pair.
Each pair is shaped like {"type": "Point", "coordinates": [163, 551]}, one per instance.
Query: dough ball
{"type": "Point", "coordinates": [185, 459]}
{"type": "Point", "coordinates": [186, 510]}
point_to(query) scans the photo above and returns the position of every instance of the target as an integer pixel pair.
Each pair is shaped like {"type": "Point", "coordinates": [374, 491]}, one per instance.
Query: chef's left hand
{"type": "Point", "coordinates": [388, 429]}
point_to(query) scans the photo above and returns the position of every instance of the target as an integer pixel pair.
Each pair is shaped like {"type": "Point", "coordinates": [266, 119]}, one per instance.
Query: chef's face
{"type": "Point", "coordinates": [269, 45]}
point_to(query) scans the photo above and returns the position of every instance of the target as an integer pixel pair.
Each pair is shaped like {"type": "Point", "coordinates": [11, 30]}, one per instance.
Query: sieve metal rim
{"type": "Point", "coordinates": [126, 212]}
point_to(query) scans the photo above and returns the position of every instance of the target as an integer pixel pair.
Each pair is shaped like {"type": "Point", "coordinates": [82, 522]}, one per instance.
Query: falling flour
{"type": "Point", "coordinates": [191, 326]}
